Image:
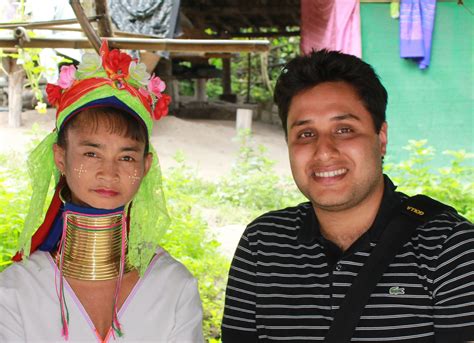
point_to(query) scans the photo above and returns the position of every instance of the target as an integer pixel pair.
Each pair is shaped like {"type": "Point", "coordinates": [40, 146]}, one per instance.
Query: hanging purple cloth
{"type": "Point", "coordinates": [416, 29]}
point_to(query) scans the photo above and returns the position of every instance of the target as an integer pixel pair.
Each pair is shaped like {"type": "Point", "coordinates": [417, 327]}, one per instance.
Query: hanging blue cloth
{"type": "Point", "coordinates": [416, 29]}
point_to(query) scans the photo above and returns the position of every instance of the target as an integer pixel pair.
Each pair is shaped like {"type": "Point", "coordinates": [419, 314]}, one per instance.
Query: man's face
{"type": "Point", "coordinates": [102, 169]}
{"type": "Point", "coordinates": [335, 153]}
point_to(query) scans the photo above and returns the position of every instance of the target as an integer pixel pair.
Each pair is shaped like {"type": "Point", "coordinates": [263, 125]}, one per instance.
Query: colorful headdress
{"type": "Point", "coordinates": [112, 79]}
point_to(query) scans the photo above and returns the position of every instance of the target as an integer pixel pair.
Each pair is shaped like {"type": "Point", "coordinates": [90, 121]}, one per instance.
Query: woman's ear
{"type": "Point", "coordinates": [59, 158]}
{"type": "Point", "coordinates": [148, 162]}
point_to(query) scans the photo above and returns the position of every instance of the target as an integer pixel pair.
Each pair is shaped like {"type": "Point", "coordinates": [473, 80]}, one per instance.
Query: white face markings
{"type": "Point", "coordinates": [134, 178]}
{"type": "Point", "coordinates": [80, 171]}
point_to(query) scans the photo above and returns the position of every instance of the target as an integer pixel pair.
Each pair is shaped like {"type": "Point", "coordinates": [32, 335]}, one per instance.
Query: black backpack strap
{"type": "Point", "coordinates": [414, 211]}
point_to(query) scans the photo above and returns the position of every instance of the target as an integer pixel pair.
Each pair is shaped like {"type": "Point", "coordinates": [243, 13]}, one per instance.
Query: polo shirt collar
{"type": "Point", "coordinates": [310, 230]}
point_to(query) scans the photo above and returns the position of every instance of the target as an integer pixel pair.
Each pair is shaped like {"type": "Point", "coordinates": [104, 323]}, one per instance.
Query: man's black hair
{"type": "Point", "coordinates": [305, 72]}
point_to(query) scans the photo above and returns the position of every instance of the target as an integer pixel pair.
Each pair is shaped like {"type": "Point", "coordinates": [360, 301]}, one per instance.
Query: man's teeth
{"type": "Point", "coordinates": [331, 173]}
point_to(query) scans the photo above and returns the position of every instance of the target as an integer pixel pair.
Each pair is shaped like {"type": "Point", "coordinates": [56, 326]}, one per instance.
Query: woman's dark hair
{"type": "Point", "coordinates": [117, 121]}
{"type": "Point", "coordinates": [305, 72]}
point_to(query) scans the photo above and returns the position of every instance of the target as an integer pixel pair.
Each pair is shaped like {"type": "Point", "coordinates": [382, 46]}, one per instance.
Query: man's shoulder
{"type": "Point", "coordinates": [445, 220]}
{"type": "Point", "coordinates": [289, 218]}
{"type": "Point", "coordinates": [287, 213]}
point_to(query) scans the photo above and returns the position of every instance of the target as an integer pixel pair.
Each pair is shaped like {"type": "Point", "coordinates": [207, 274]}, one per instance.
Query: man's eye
{"type": "Point", "coordinates": [344, 130]}
{"type": "Point", "coordinates": [90, 154]}
{"type": "Point", "coordinates": [306, 134]}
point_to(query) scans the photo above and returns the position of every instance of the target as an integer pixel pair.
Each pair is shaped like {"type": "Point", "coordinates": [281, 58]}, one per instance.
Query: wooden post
{"type": "Point", "coordinates": [243, 119]}
{"type": "Point", "coordinates": [15, 87]}
{"type": "Point", "coordinates": [249, 72]}
{"type": "Point", "coordinates": [201, 90]}
{"type": "Point", "coordinates": [174, 92]}
{"type": "Point", "coordinates": [227, 81]}
{"type": "Point", "coordinates": [104, 25]}
{"type": "Point", "coordinates": [89, 31]}
{"type": "Point", "coordinates": [226, 76]}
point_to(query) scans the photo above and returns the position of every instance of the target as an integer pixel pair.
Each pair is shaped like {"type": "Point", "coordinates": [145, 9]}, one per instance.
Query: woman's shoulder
{"type": "Point", "coordinates": [32, 268]}
{"type": "Point", "coordinates": [166, 267]}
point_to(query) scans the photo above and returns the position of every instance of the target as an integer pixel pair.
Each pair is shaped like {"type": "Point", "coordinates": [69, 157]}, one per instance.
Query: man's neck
{"type": "Point", "coordinates": [344, 227]}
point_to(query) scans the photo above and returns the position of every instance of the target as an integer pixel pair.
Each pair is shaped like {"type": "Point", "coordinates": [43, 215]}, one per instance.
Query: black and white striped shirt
{"type": "Point", "coordinates": [286, 281]}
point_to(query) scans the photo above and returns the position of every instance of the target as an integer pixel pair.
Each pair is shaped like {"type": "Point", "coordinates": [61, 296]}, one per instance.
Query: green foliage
{"type": "Point", "coordinates": [190, 241]}
{"type": "Point", "coordinates": [253, 183]}
{"type": "Point", "coordinates": [453, 184]}
{"type": "Point", "coordinates": [14, 195]}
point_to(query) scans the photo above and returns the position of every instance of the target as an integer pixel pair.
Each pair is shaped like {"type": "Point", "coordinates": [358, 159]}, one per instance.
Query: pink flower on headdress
{"type": "Point", "coordinates": [156, 86]}
{"type": "Point", "coordinates": [67, 75]}
{"type": "Point", "coordinates": [54, 93]}
{"type": "Point", "coordinates": [161, 106]}
{"type": "Point", "coordinates": [145, 94]}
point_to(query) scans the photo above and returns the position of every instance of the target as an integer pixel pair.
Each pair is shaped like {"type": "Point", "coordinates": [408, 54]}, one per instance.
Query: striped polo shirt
{"type": "Point", "coordinates": [286, 281]}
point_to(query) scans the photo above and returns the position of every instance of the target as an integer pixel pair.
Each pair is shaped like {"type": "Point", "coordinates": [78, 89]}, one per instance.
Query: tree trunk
{"type": "Point", "coordinates": [15, 87]}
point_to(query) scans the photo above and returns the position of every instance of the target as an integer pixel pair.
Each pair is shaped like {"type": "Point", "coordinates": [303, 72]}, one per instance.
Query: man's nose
{"type": "Point", "coordinates": [325, 148]}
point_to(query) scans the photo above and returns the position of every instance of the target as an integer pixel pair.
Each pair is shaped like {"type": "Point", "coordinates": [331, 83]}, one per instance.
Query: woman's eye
{"type": "Point", "coordinates": [128, 159]}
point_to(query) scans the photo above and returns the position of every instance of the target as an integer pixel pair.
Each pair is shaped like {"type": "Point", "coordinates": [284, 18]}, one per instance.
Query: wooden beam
{"type": "Point", "coordinates": [104, 24]}
{"type": "Point", "coordinates": [79, 29]}
{"type": "Point", "coordinates": [171, 45]}
{"type": "Point", "coordinates": [40, 24]}
{"type": "Point", "coordinates": [263, 34]}
{"type": "Point", "coordinates": [85, 24]}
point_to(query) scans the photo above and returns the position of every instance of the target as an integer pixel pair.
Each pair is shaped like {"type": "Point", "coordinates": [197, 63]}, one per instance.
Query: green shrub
{"type": "Point", "coordinates": [453, 184]}
{"type": "Point", "coordinates": [14, 197]}
{"type": "Point", "coordinates": [190, 241]}
{"type": "Point", "coordinates": [253, 183]}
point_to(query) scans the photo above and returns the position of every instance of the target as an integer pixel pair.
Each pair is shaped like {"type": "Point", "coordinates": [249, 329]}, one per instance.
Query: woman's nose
{"type": "Point", "coordinates": [108, 171]}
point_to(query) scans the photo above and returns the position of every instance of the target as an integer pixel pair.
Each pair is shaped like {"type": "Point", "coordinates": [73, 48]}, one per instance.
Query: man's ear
{"type": "Point", "coordinates": [148, 162]}
{"type": "Point", "coordinates": [383, 138]}
{"type": "Point", "coordinates": [59, 158]}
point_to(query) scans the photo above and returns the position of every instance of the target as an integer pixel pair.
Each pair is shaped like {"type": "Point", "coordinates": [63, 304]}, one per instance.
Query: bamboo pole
{"type": "Point", "coordinates": [85, 24]}
{"type": "Point", "coordinates": [40, 24]}
{"type": "Point", "coordinates": [117, 33]}
{"type": "Point", "coordinates": [171, 45]}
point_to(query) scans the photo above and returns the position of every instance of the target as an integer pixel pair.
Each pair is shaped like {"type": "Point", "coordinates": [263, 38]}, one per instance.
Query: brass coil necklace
{"type": "Point", "coordinates": [92, 246]}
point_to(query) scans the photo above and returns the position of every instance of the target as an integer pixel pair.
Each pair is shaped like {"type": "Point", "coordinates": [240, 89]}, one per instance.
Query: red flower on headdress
{"type": "Point", "coordinates": [115, 62]}
{"type": "Point", "coordinates": [161, 106]}
{"type": "Point", "coordinates": [54, 93]}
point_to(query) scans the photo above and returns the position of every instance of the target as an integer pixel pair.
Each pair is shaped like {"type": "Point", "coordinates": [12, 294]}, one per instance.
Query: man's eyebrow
{"type": "Point", "coordinates": [300, 123]}
{"type": "Point", "coordinates": [335, 118]}
{"type": "Point", "coordinates": [344, 117]}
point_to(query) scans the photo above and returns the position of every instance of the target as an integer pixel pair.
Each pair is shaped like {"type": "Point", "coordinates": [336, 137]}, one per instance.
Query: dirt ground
{"type": "Point", "coordinates": [210, 146]}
